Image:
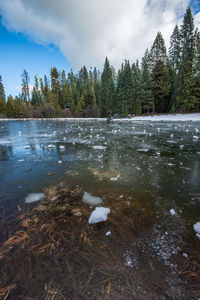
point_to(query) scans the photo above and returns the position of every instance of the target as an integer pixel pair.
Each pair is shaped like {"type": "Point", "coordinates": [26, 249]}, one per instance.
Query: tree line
{"type": "Point", "coordinates": [163, 82]}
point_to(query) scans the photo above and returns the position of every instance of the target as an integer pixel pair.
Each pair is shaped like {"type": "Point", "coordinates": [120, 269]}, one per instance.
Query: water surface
{"type": "Point", "coordinates": [155, 162]}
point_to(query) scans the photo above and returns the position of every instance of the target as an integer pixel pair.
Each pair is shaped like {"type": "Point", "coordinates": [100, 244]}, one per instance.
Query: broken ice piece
{"type": "Point", "coordinates": [108, 233]}
{"type": "Point", "coordinates": [91, 200]}
{"type": "Point", "coordinates": [62, 147]}
{"type": "Point", "coordinates": [99, 215]}
{"type": "Point", "coordinates": [197, 227]}
{"type": "Point", "coordinates": [33, 197]}
{"type": "Point", "coordinates": [172, 212]}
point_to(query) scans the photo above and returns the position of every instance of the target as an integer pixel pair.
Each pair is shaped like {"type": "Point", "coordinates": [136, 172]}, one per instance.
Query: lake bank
{"type": "Point", "coordinates": [50, 250]}
{"type": "Point", "coordinates": [160, 117]}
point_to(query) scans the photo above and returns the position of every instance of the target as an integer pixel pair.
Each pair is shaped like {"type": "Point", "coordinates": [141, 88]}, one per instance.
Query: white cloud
{"type": "Point", "coordinates": [87, 30]}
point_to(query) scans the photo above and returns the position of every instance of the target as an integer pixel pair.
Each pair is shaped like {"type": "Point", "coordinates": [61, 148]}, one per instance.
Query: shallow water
{"type": "Point", "coordinates": [157, 163]}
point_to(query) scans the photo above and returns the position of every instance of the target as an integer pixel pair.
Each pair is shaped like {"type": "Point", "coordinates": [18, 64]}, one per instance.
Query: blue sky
{"type": "Point", "coordinates": [38, 34]}
{"type": "Point", "coordinates": [18, 52]}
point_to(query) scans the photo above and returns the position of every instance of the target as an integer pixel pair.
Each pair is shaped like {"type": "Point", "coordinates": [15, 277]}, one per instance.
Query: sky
{"type": "Point", "coordinates": [38, 34]}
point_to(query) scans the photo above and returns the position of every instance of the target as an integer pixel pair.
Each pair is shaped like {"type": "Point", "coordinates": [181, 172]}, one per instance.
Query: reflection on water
{"type": "Point", "coordinates": [156, 162]}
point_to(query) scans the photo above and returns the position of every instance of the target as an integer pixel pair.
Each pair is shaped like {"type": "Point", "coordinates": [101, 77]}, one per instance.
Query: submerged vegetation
{"type": "Point", "coordinates": [49, 251]}
{"type": "Point", "coordinates": [163, 82]}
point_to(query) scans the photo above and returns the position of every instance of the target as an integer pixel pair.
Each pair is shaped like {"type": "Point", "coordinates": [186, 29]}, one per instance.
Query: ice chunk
{"type": "Point", "coordinates": [195, 137]}
{"type": "Point", "coordinates": [197, 227]}
{"type": "Point", "coordinates": [99, 147]}
{"type": "Point", "coordinates": [91, 200]}
{"type": "Point", "coordinates": [60, 162]}
{"type": "Point", "coordinates": [62, 147]}
{"type": "Point", "coordinates": [185, 255]}
{"type": "Point", "coordinates": [33, 197]}
{"type": "Point", "coordinates": [27, 147]}
{"type": "Point", "coordinates": [51, 146]}
{"type": "Point", "coordinates": [172, 212]}
{"type": "Point", "coordinates": [99, 215]}
{"type": "Point", "coordinates": [108, 233]}
{"type": "Point", "coordinates": [115, 178]}
{"type": "Point", "coordinates": [198, 235]}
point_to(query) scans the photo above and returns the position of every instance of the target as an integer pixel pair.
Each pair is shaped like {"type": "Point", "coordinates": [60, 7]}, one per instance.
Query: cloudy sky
{"type": "Point", "coordinates": [64, 33]}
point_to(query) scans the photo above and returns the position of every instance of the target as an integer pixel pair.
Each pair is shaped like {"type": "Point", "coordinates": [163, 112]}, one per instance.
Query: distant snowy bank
{"type": "Point", "coordinates": [164, 117]}
{"type": "Point", "coordinates": [169, 117]}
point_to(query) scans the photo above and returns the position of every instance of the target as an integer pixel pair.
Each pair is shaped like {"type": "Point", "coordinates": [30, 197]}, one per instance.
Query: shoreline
{"type": "Point", "coordinates": [160, 117]}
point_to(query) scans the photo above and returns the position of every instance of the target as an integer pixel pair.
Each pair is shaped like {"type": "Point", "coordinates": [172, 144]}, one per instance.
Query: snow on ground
{"type": "Point", "coordinates": [99, 215]}
{"type": "Point", "coordinates": [169, 117]}
{"type": "Point", "coordinates": [91, 200]}
{"type": "Point", "coordinates": [33, 197]}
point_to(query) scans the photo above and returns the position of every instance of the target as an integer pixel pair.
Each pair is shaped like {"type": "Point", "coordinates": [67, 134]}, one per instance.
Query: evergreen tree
{"type": "Point", "coordinates": [10, 107]}
{"type": "Point", "coordinates": [18, 109]}
{"type": "Point", "coordinates": [25, 86]}
{"type": "Point", "coordinates": [185, 99]}
{"type": "Point", "coordinates": [160, 74]}
{"type": "Point", "coordinates": [196, 71]}
{"type": "Point", "coordinates": [147, 100]}
{"type": "Point", "coordinates": [55, 87]}
{"type": "Point", "coordinates": [175, 65]}
{"type": "Point", "coordinates": [107, 91]}
{"type": "Point", "coordinates": [2, 97]}
{"type": "Point", "coordinates": [36, 95]}
{"type": "Point", "coordinates": [97, 85]}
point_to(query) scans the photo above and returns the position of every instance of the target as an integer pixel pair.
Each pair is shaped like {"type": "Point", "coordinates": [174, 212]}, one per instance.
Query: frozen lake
{"type": "Point", "coordinates": [156, 163]}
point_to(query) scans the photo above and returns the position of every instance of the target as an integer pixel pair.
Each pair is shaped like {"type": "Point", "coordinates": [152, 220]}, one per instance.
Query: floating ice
{"type": "Point", "coordinates": [33, 197]}
{"type": "Point", "coordinates": [27, 147]}
{"type": "Point", "coordinates": [99, 215]}
{"type": "Point", "coordinates": [51, 146]}
{"type": "Point", "coordinates": [99, 147]}
{"type": "Point", "coordinates": [60, 162]}
{"type": "Point", "coordinates": [172, 212]}
{"type": "Point", "coordinates": [185, 255]}
{"type": "Point", "coordinates": [197, 227]}
{"type": "Point", "coordinates": [115, 178]}
{"type": "Point", "coordinates": [62, 147]}
{"type": "Point", "coordinates": [142, 150]}
{"type": "Point", "coordinates": [195, 137]}
{"type": "Point", "coordinates": [91, 200]}
{"type": "Point", "coordinates": [108, 233]}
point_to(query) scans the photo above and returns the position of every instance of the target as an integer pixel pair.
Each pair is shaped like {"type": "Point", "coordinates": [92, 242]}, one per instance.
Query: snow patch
{"type": "Point", "coordinates": [99, 215]}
